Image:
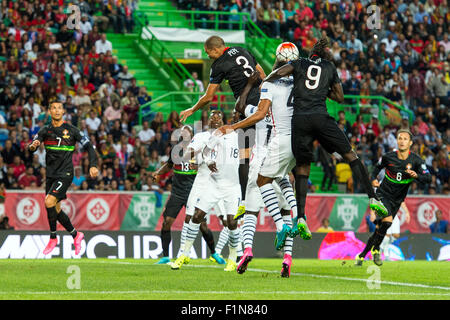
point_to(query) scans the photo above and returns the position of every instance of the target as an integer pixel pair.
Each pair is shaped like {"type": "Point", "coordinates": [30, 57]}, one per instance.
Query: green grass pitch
{"type": "Point", "coordinates": [204, 280]}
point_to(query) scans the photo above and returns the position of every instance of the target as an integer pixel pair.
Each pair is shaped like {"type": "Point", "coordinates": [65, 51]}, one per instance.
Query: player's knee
{"type": "Point", "coordinates": [285, 212]}
{"type": "Point", "coordinates": [198, 216]}
{"type": "Point", "coordinates": [350, 156]}
{"type": "Point", "coordinates": [232, 224]}
{"type": "Point", "coordinates": [303, 169]}
{"type": "Point", "coordinates": [50, 201]}
{"type": "Point", "coordinates": [187, 219]}
{"type": "Point", "coordinates": [261, 180]}
{"type": "Point", "coordinates": [167, 223]}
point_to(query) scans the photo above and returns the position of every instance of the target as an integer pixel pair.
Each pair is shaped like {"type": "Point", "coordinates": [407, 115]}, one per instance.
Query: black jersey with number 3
{"type": "Point", "coordinates": [236, 64]}
{"type": "Point", "coordinates": [313, 79]}
{"type": "Point", "coordinates": [396, 181]}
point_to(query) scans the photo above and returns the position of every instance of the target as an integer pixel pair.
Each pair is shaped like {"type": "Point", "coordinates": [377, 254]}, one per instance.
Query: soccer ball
{"type": "Point", "coordinates": [287, 51]}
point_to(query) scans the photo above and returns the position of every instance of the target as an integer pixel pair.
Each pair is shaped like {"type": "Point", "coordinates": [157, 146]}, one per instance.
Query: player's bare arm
{"type": "Point", "coordinates": [261, 72]}
{"type": "Point", "coordinates": [166, 167]}
{"type": "Point", "coordinates": [241, 100]}
{"type": "Point", "coordinates": [281, 72]}
{"type": "Point", "coordinates": [203, 101]}
{"type": "Point", "coordinates": [336, 93]}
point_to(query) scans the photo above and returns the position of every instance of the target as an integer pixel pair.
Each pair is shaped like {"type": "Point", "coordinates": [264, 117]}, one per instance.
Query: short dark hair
{"type": "Point", "coordinates": [214, 42]}
{"type": "Point", "coordinates": [405, 131]}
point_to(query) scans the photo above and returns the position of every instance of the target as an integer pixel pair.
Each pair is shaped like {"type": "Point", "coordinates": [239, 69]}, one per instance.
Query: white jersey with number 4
{"type": "Point", "coordinates": [279, 93]}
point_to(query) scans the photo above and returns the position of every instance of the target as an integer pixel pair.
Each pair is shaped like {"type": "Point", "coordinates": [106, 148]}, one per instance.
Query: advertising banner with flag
{"type": "Point", "coordinates": [142, 211]}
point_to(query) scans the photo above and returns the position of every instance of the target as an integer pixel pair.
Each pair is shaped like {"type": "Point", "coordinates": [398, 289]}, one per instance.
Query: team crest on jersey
{"type": "Point", "coordinates": [66, 134]}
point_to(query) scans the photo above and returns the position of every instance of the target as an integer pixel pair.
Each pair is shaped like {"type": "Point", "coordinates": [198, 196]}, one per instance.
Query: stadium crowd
{"type": "Point", "coordinates": [43, 60]}
{"type": "Point", "coordinates": [405, 59]}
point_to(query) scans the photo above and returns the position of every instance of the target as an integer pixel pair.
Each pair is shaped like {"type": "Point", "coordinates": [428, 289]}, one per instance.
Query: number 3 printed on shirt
{"type": "Point", "coordinates": [243, 60]}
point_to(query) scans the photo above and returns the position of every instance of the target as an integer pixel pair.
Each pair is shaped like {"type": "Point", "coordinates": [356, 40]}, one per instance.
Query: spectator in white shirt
{"type": "Point", "coordinates": [390, 43]}
{"type": "Point", "coordinates": [146, 135]}
{"type": "Point", "coordinates": [93, 122]}
{"type": "Point", "coordinates": [34, 108]}
{"type": "Point", "coordinates": [190, 84]}
{"type": "Point", "coordinates": [126, 77]}
{"type": "Point", "coordinates": [102, 45]}
{"type": "Point", "coordinates": [85, 25]}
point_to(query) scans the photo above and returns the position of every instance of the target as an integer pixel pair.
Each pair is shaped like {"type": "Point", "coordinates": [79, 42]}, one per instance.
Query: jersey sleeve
{"type": "Point", "coordinates": [197, 143]}
{"type": "Point", "coordinates": [423, 174]}
{"type": "Point", "coordinates": [297, 64]}
{"type": "Point", "coordinates": [334, 75]}
{"type": "Point", "coordinates": [81, 137]}
{"type": "Point", "coordinates": [267, 91]}
{"type": "Point", "coordinates": [378, 167]}
{"type": "Point", "coordinates": [217, 75]}
{"type": "Point", "coordinates": [40, 135]}
{"type": "Point", "coordinates": [250, 109]}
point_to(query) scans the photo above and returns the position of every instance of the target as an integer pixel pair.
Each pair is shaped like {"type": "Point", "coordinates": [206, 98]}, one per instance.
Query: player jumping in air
{"type": "Point", "coordinates": [402, 167]}
{"type": "Point", "coordinates": [59, 139]}
{"type": "Point", "coordinates": [183, 178]}
{"type": "Point", "coordinates": [222, 158]}
{"type": "Point", "coordinates": [315, 79]}
{"type": "Point", "coordinates": [234, 64]}
{"type": "Point", "coordinates": [276, 161]}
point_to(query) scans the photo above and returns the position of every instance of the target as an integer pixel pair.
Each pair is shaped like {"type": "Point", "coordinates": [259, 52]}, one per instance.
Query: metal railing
{"type": "Point", "coordinates": [386, 109]}
{"type": "Point", "coordinates": [262, 46]}
{"type": "Point", "coordinates": [175, 71]}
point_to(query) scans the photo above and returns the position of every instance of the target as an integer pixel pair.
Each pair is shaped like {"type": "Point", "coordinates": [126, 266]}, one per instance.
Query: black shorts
{"type": "Point", "coordinates": [173, 206]}
{"type": "Point", "coordinates": [309, 127]}
{"type": "Point", "coordinates": [391, 205]}
{"type": "Point", "coordinates": [58, 187]}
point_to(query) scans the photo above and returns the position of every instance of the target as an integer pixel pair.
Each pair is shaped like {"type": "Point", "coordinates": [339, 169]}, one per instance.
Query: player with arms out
{"type": "Point", "coordinates": [234, 64]}
{"type": "Point", "coordinates": [222, 158]}
{"type": "Point", "coordinates": [59, 139]}
{"type": "Point", "coordinates": [402, 167]}
{"type": "Point", "coordinates": [315, 79]}
{"type": "Point", "coordinates": [272, 118]}
{"type": "Point", "coordinates": [184, 175]}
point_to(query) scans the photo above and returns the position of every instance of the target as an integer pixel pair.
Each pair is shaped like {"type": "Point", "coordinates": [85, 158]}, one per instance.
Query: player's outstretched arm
{"type": "Point", "coordinates": [281, 72]}
{"type": "Point", "coordinates": [241, 100]}
{"type": "Point", "coordinates": [203, 101]}
{"type": "Point", "coordinates": [261, 72]}
{"type": "Point", "coordinates": [166, 167]}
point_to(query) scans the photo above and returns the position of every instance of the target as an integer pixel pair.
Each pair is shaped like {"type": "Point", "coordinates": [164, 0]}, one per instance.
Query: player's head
{"type": "Point", "coordinates": [320, 49]}
{"type": "Point", "coordinates": [404, 140]}
{"type": "Point", "coordinates": [56, 110]}
{"type": "Point", "coordinates": [215, 119]}
{"type": "Point", "coordinates": [214, 47]}
{"type": "Point", "coordinates": [187, 131]}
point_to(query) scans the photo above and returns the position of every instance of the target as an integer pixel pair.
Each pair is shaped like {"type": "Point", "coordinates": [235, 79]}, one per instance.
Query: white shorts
{"type": "Point", "coordinates": [395, 227]}
{"type": "Point", "coordinates": [279, 160]}
{"type": "Point", "coordinates": [195, 193]}
{"type": "Point", "coordinates": [253, 199]}
{"type": "Point", "coordinates": [226, 198]}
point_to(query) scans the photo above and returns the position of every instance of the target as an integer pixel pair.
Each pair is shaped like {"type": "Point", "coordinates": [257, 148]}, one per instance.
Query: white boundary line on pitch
{"type": "Point", "coordinates": [406, 284]}
{"type": "Point", "coordinates": [68, 292]}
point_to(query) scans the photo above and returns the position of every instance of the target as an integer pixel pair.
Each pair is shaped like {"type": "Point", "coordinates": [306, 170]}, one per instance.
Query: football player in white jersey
{"type": "Point", "coordinates": [277, 162]}
{"type": "Point", "coordinates": [222, 158]}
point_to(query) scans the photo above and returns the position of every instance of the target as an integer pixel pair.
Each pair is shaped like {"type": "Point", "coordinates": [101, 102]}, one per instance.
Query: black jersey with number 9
{"type": "Point", "coordinates": [236, 65]}
{"type": "Point", "coordinates": [313, 79]}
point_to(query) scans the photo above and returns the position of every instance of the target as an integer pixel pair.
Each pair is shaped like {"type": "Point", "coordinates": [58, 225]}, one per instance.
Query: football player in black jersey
{"type": "Point", "coordinates": [59, 139]}
{"type": "Point", "coordinates": [315, 79]}
{"type": "Point", "coordinates": [402, 167]}
{"type": "Point", "coordinates": [184, 174]}
{"type": "Point", "coordinates": [236, 65]}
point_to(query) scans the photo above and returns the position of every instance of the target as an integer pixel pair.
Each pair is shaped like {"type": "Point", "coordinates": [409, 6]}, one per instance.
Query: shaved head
{"type": "Point", "coordinates": [214, 42]}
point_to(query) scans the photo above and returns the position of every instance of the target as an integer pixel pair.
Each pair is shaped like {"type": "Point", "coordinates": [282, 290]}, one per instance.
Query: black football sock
{"type": "Point", "coordinates": [65, 222]}
{"type": "Point", "coordinates": [362, 176]}
{"type": "Point", "coordinates": [369, 245]}
{"type": "Point", "coordinates": [166, 238]}
{"type": "Point", "coordinates": [381, 234]}
{"type": "Point", "coordinates": [209, 239]}
{"type": "Point", "coordinates": [52, 218]}
{"type": "Point", "coordinates": [301, 189]}
{"type": "Point", "coordinates": [243, 177]}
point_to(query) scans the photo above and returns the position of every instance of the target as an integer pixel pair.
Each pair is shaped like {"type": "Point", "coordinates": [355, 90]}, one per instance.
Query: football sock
{"type": "Point", "coordinates": [223, 239]}
{"type": "Point", "coordinates": [362, 176]}
{"type": "Point", "coordinates": [191, 234]}
{"type": "Point", "coordinates": [165, 239]}
{"type": "Point", "coordinates": [289, 241]}
{"type": "Point", "coordinates": [240, 252]}
{"type": "Point", "coordinates": [301, 188]}
{"type": "Point", "coordinates": [52, 217]}
{"type": "Point", "coordinates": [243, 177]}
{"type": "Point", "coordinates": [63, 218]}
{"type": "Point", "coordinates": [248, 230]}
{"type": "Point", "coordinates": [381, 234]}
{"type": "Point", "coordinates": [233, 244]}
{"type": "Point", "coordinates": [288, 193]}
{"type": "Point", "coordinates": [209, 239]}
{"type": "Point", "coordinates": [182, 238]}
{"type": "Point", "coordinates": [271, 201]}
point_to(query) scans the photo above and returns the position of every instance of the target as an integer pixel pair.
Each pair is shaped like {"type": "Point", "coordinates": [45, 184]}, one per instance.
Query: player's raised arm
{"type": "Point", "coordinates": [336, 92]}
{"type": "Point", "coordinates": [378, 167]}
{"type": "Point", "coordinates": [203, 101]}
{"type": "Point", "coordinates": [281, 72]}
